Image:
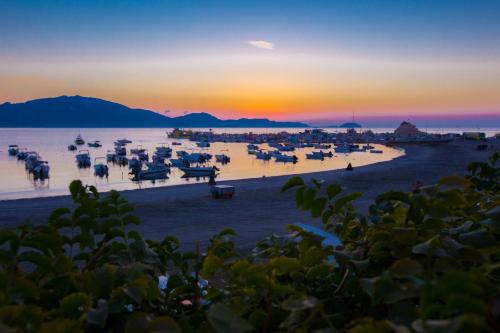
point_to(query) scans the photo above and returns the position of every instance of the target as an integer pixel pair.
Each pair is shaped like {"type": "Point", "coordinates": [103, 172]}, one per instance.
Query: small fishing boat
{"type": "Point", "coordinates": [252, 146]}
{"type": "Point", "coordinates": [179, 162]}
{"type": "Point", "coordinates": [122, 142]}
{"type": "Point", "coordinates": [137, 150]}
{"type": "Point", "coordinates": [41, 170]}
{"type": "Point", "coordinates": [176, 143]}
{"type": "Point", "coordinates": [345, 149]}
{"type": "Point", "coordinates": [322, 146]}
{"type": "Point", "coordinates": [95, 144]}
{"type": "Point", "coordinates": [263, 156]}
{"type": "Point", "coordinates": [13, 150]}
{"type": "Point", "coordinates": [111, 156]}
{"type": "Point", "coordinates": [31, 160]}
{"type": "Point", "coordinates": [199, 171]}
{"type": "Point", "coordinates": [286, 148]}
{"type": "Point", "coordinates": [203, 144]}
{"type": "Point", "coordinates": [319, 155]}
{"type": "Point", "coordinates": [164, 151]}
{"type": "Point", "coordinates": [368, 146]}
{"type": "Point", "coordinates": [153, 171]}
{"type": "Point", "coordinates": [135, 165]}
{"type": "Point", "coordinates": [120, 150]}
{"type": "Point", "coordinates": [22, 154]}
{"type": "Point", "coordinates": [79, 140]}
{"type": "Point", "coordinates": [376, 151]}
{"type": "Point", "coordinates": [222, 158]}
{"type": "Point", "coordinates": [83, 159]}
{"type": "Point", "coordinates": [100, 167]}
{"type": "Point", "coordinates": [72, 147]}
{"type": "Point", "coordinates": [286, 158]}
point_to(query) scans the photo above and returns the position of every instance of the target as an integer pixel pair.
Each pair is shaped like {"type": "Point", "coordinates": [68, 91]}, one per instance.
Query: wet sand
{"type": "Point", "coordinates": [259, 209]}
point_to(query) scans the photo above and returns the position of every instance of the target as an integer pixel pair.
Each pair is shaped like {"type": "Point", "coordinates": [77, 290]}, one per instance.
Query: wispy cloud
{"type": "Point", "coordinates": [261, 44]}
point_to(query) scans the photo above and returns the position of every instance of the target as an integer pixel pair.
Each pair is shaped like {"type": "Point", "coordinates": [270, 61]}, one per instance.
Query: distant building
{"type": "Point", "coordinates": [407, 130]}
{"type": "Point", "coordinates": [474, 135]}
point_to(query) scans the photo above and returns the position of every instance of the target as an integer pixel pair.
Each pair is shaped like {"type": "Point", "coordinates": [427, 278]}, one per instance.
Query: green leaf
{"type": "Point", "coordinates": [477, 238]}
{"type": "Point", "coordinates": [223, 320]}
{"type": "Point", "coordinates": [332, 190]}
{"type": "Point", "coordinates": [292, 182]}
{"type": "Point", "coordinates": [406, 268]}
{"type": "Point", "coordinates": [211, 264]}
{"type": "Point", "coordinates": [138, 322]}
{"type": "Point", "coordinates": [163, 324]}
{"type": "Point", "coordinates": [284, 265]}
{"type": "Point", "coordinates": [340, 203]}
{"type": "Point", "coordinates": [317, 207]}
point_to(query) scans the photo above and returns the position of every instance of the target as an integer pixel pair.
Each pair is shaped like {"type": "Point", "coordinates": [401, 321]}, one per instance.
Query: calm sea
{"type": "Point", "coordinates": [52, 144]}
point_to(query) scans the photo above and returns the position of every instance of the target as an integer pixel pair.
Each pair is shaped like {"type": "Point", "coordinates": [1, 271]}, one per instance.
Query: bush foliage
{"type": "Point", "coordinates": [426, 261]}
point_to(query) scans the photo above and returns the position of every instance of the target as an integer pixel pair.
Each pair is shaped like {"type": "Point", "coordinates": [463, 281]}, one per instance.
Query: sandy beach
{"type": "Point", "coordinates": [259, 209]}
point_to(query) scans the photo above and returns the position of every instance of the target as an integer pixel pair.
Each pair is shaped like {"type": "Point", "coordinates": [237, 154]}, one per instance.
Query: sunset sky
{"type": "Point", "coordinates": [314, 61]}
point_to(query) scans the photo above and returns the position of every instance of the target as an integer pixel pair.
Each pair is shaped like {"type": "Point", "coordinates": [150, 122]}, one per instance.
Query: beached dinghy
{"type": "Point", "coordinates": [376, 151]}
{"type": "Point", "coordinates": [315, 155]}
{"type": "Point", "coordinates": [13, 150]}
{"type": "Point", "coordinates": [179, 162]}
{"type": "Point", "coordinates": [72, 147]}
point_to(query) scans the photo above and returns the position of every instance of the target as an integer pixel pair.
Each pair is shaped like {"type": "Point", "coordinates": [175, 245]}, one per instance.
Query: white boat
{"type": "Point", "coordinates": [95, 144]}
{"type": "Point", "coordinates": [13, 150]}
{"type": "Point", "coordinates": [137, 150]}
{"type": "Point", "coordinates": [318, 155]}
{"type": "Point", "coordinates": [83, 159]}
{"type": "Point", "coordinates": [342, 149]}
{"type": "Point", "coordinates": [134, 164]}
{"type": "Point", "coordinates": [120, 150]}
{"type": "Point", "coordinates": [110, 156]}
{"type": "Point", "coordinates": [199, 171]}
{"type": "Point", "coordinates": [263, 156]}
{"type": "Point", "coordinates": [203, 144]}
{"type": "Point", "coordinates": [31, 160]}
{"type": "Point", "coordinates": [163, 151]}
{"type": "Point", "coordinates": [41, 170]}
{"type": "Point", "coordinates": [286, 148]}
{"type": "Point", "coordinates": [79, 140]}
{"type": "Point", "coordinates": [100, 167]}
{"type": "Point", "coordinates": [153, 171]}
{"type": "Point", "coordinates": [22, 154]}
{"type": "Point", "coordinates": [122, 142]}
{"type": "Point", "coordinates": [179, 162]}
{"type": "Point", "coordinates": [286, 158]}
{"type": "Point", "coordinates": [222, 158]}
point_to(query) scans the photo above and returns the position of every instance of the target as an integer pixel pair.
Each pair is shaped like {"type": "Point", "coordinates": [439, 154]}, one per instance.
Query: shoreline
{"type": "Point", "coordinates": [258, 208]}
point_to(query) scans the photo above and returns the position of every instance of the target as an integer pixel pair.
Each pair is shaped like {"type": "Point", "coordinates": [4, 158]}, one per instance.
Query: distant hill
{"type": "Point", "coordinates": [347, 125]}
{"type": "Point", "coordinates": [81, 112]}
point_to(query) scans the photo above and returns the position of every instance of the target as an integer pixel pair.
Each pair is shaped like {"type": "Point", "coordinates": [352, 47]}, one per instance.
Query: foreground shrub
{"type": "Point", "coordinates": [426, 261]}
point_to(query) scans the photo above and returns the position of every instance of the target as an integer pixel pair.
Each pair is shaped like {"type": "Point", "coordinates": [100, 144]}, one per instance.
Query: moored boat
{"type": "Point", "coordinates": [100, 167]}
{"type": "Point", "coordinates": [79, 140]}
{"type": "Point", "coordinates": [13, 150]}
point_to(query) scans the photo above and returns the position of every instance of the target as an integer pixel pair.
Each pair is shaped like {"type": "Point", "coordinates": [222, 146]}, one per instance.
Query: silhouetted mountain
{"type": "Point", "coordinates": [78, 111]}
{"type": "Point", "coordinates": [347, 125]}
